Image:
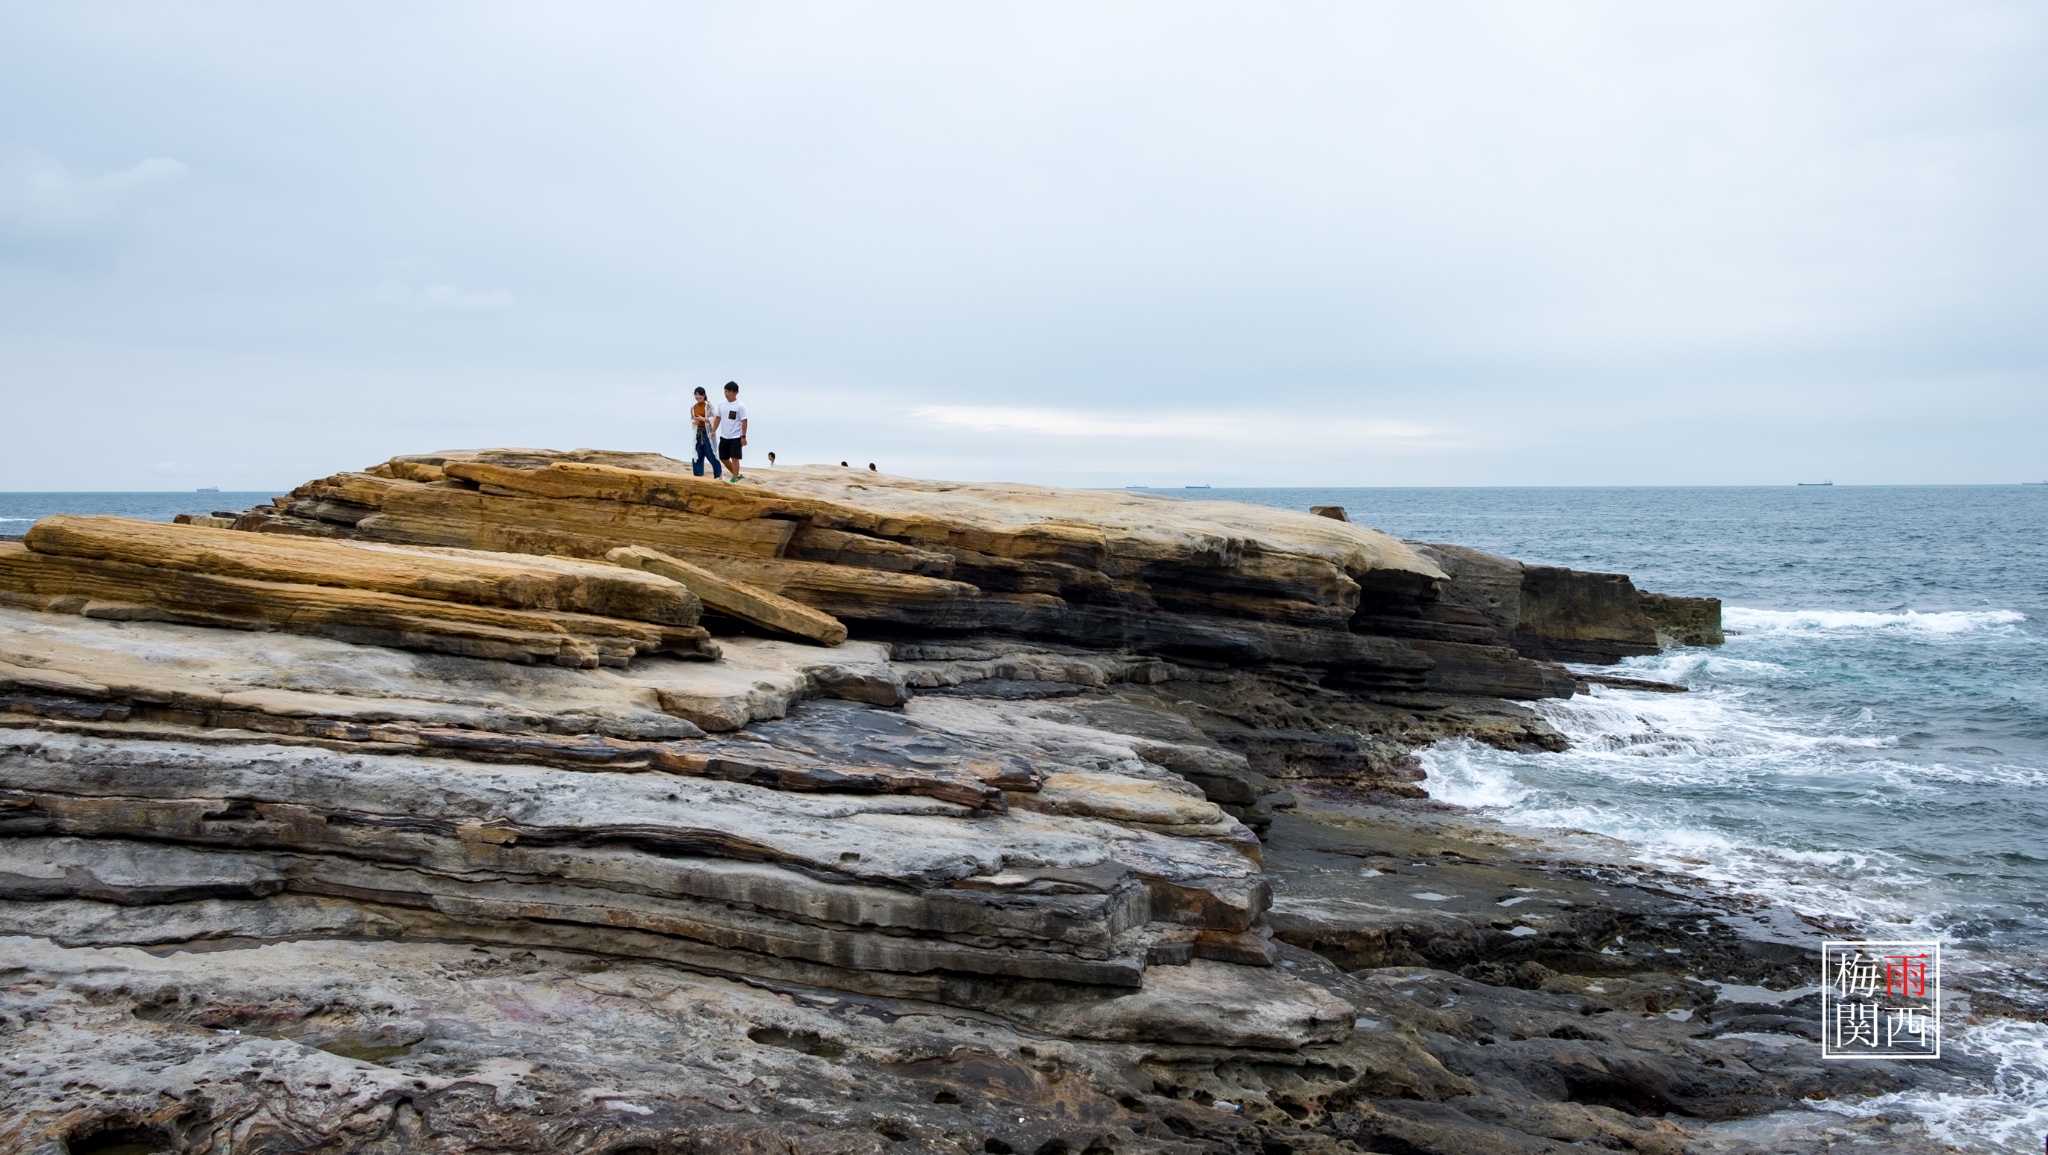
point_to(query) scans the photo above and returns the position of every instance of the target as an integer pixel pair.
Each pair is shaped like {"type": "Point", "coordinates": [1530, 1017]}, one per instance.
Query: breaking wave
{"type": "Point", "coordinates": [1814, 762]}
{"type": "Point", "coordinates": [2011, 1118]}
{"type": "Point", "coordinates": [1873, 769]}
{"type": "Point", "coordinates": [1739, 619]}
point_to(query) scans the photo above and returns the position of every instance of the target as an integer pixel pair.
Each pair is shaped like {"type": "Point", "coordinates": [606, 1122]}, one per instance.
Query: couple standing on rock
{"type": "Point", "coordinates": [724, 426]}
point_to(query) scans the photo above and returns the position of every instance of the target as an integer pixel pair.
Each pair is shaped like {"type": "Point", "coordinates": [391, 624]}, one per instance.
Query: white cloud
{"type": "Point", "coordinates": [48, 210]}
{"type": "Point", "coordinates": [440, 298]}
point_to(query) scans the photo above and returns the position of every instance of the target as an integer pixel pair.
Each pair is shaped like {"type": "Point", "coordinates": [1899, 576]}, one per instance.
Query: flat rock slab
{"type": "Point", "coordinates": [1370, 885]}
{"type": "Point", "coordinates": [293, 676]}
{"type": "Point", "coordinates": [396, 1046]}
{"type": "Point", "coordinates": [761, 679]}
{"type": "Point", "coordinates": [362, 802]}
{"type": "Point", "coordinates": [404, 897]}
{"type": "Point", "coordinates": [287, 675]}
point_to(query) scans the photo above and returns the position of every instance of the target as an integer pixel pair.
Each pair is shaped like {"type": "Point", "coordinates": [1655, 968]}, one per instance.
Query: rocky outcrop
{"type": "Point", "coordinates": [424, 794]}
{"type": "Point", "coordinates": [895, 556]}
{"type": "Point", "coordinates": [1565, 615]}
{"type": "Point", "coordinates": [1496, 1003]}
{"type": "Point", "coordinates": [552, 610]}
{"type": "Point", "coordinates": [966, 834]}
{"type": "Point", "coordinates": [1684, 621]}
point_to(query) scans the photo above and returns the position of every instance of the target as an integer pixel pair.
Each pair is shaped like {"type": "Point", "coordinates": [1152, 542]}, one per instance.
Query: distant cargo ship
{"type": "Point", "coordinates": [1816, 483]}
{"type": "Point", "coordinates": [209, 489]}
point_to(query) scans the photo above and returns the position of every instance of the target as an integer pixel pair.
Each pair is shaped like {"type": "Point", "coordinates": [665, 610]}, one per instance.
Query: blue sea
{"type": "Point", "coordinates": [1869, 748]}
{"type": "Point", "coordinates": [18, 511]}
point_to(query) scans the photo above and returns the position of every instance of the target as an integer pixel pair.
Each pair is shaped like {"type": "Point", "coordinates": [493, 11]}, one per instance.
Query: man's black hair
{"type": "Point", "coordinates": [733, 385]}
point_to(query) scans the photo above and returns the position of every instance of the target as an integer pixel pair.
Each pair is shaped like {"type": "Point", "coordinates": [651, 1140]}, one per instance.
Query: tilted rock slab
{"type": "Point", "coordinates": [556, 611]}
{"type": "Point", "coordinates": [738, 599]}
{"type": "Point", "coordinates": [469, 577]}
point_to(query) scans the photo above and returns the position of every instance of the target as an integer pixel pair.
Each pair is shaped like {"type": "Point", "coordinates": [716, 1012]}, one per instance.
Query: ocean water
{"type": "Point", "coordinates": [1870, 746]}
{"type": "Point", "coordinates": [20, 510]}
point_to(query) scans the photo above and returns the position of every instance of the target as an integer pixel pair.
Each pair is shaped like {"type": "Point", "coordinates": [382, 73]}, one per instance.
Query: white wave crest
{"type": "Point", "coordinates": [1460, 773]}
{"type": "Point", "coordinates": [1685, 665]}
{"type": "Point", "coordinates": [1699, 725]}
{"type": "Point", "coordinates": [1667, 776]}
{"type": "Point", "coordinates": [1753, 621]}
{"type": "Point", "coordinates": [2010, 1118]}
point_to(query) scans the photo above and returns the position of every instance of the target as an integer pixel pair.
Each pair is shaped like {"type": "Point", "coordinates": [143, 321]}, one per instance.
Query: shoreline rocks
{"type": "Point", "coordinates": [1095, 830]}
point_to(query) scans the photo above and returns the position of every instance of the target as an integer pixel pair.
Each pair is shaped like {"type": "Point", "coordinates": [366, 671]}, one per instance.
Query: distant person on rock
{"type": "Point", "coordinates": [771, 459]}
{"type": "Point", "coordinates": [730, 427]}
{"type": "Point", "coordinates": [700, 432]}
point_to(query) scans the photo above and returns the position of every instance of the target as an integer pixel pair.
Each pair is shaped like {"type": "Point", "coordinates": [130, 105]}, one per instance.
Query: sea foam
{"type": "Point", "coordinates": [1745, 620]}
{"type": "Point", "coordinates": [2012, 1118]}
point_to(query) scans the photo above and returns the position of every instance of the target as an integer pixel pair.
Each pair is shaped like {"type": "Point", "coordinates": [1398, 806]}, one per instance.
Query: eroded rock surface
{"type": "Point", "coordinates": [1630, 1021]}
{"type": "Point", "coordinates": [1100, 834]}
{"type": "Point", "coordinates": [890, 556]}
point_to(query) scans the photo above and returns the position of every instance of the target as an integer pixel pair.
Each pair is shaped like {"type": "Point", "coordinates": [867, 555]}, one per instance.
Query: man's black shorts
{"type": "Point", "coordinates": [728, 449]}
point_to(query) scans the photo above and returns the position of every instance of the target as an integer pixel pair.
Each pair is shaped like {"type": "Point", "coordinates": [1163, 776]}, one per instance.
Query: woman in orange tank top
{"type": "Point", "coordinates": [700, 427]}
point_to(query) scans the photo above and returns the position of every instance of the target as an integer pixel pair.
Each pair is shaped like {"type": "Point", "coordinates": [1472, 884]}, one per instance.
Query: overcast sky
{"type": "Point", "coordinates": [1090, 243]}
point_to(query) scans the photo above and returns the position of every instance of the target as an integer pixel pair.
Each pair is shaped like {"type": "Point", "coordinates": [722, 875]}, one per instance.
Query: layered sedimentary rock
{"type": "Point", "coordinates": [279, 787]}
{"type": "Point", "coordinates": [1567, 615]}
{"type": "Point", "coordinates": [889, 894]}
{"type": "Point", "coordinates": [1025, 799]}
{"type": "Point", "coordinates": [747, 603]}
{"type": "Point", "coordinates": [896, 556]}
{"type": "Point", "coordinates": [522, 609]}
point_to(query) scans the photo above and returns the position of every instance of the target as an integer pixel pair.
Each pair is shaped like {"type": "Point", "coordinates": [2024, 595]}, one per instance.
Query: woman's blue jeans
{"type": "Point", "coordinates": [705, 453]}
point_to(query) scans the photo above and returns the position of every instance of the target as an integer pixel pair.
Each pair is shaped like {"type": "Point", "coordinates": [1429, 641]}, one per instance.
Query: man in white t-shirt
{"type": "Point", "coordinates": [730, 427]}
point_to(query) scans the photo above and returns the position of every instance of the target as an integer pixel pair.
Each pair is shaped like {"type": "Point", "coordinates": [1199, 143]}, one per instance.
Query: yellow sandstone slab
{"type": "Point", "coordinates": [417, 513]}
{"type": "Point", "coordinates": [104, 588]}
{"type": "Point", "coordinates": [858, 593]}
{"type": "Point", "coordinates": [691, 494]}
{"type": "Point", "coordinates": [737, 598]}
{"type": "Point", "coordinates": [508, 581]}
